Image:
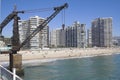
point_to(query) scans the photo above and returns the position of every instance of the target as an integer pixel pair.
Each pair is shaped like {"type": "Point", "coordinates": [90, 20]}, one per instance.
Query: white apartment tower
{"type": "Point", "coordinates": [41, 39]}
{"type": "Point", "coordinates": [24, 31]}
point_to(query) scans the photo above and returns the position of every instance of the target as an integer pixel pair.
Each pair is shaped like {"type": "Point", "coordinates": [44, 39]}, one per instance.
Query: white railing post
{"type": "Point", "coordinates": [7, 75]}
{"type": "Point", "coordinates": [14, 74]}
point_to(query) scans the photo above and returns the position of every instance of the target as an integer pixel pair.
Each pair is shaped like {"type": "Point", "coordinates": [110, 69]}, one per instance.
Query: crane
{"type": "Point", "coordinates": [16, 46]}
{"type": "Point", "coordinates": [13, 15]}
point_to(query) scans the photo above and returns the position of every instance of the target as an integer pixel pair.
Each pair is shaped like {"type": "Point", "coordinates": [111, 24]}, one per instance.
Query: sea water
{"type": "Point", "coordinates": [90, 68]}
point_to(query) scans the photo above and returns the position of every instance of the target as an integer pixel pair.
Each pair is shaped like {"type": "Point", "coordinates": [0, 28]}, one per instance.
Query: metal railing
{"type": "Point", "coordinates": [7, 75]}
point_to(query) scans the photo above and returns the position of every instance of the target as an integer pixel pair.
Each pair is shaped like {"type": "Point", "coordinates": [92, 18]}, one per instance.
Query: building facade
{"type": "Point", "coordinates": [24, 31]}
{"type": "Point", "coordinates": [102, 32]}
{"type": "Point", "coordinates": [76, 35]}
{"type": "Point", "coordinates": [57, 38]}
{"type": "Point", "coordinates": [53, 41]}
{"type": "Point", "coordinates": [41, 39]}
{"type": "Point", "coordinates": [89, 38]}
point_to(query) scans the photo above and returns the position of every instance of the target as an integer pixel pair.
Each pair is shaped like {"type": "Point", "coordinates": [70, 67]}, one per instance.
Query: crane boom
{"type": "Point", "coordinates": [41, 26]}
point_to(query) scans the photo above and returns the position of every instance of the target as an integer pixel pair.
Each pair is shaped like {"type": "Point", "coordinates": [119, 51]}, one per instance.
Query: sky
{"type": "Point", "coordinates": [83, 11]}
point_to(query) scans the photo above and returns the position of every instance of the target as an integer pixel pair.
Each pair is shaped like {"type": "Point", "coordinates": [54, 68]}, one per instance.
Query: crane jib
{"type": "Point", "coordinates": [41, 26]}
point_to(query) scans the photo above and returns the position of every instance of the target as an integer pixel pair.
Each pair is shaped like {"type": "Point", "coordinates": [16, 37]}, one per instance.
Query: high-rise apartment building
{"type": "Point", "coordinates": [62, 37]}
{"type": "Point", "coordinates": [102, 32]}
{"type": "Point", "coordinates": [89, 38]}
{"type": "Point", "coordinates": [57, 38]}
{"type": "Point", "coordinates": [41, 39]}
{"type": "Point", "coordinates": [24, 31]}
{"type": "Point", "coordinates": [53, 38]}
{"type": "Point", "coordinates": [76, 35]}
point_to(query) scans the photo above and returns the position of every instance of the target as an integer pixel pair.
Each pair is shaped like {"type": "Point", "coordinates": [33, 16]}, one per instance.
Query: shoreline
{"type": "Point", "coordinates": [37, 62]}
{"type": "Point", "coordinates": [40, 61]}
{"type": "Point", "coordinates": [40, 56]}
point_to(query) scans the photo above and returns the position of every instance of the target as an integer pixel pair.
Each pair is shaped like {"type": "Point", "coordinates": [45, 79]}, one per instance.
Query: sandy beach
{"type": "Point", "coordinates": [29, 55]}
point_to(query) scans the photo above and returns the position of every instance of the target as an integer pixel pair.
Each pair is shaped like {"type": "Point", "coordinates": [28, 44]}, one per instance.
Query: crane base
{"type": "Point", "coordinates": [16, 62]}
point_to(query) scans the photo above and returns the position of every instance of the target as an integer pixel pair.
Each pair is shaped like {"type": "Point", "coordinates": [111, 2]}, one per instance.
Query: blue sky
{"type": "Point", "coordinates": [83, 11]}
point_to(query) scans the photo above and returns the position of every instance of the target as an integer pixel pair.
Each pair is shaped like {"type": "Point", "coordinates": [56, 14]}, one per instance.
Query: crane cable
{"type": "Point", "coordinates": [37, 10]}
{"type": "Point", "coordinates": [63, 18]}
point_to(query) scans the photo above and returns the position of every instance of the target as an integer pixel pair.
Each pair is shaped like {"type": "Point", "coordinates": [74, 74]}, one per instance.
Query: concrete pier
{"type": "Point", "coordinates": [15, 62]}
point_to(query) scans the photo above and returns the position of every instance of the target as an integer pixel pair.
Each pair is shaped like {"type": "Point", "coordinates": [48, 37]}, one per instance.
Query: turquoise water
{"type": "Point", "coordinates": [93, 68]}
